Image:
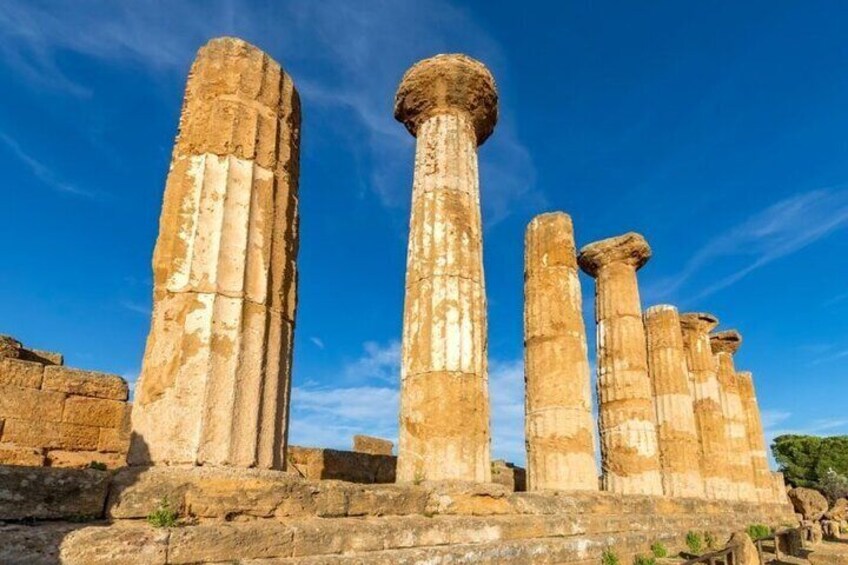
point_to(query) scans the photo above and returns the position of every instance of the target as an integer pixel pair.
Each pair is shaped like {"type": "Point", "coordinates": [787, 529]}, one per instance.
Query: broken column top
{"type": "Point", "coordinates": [630, 248]}
{"type": "Point", "coordinates": [701, 321]}
{"type": "Point", "coordinates": [444, 83]}
{"type": "Point", "coordinates": [727, 341]}
{"type": "Point", "coordinates": [550, 241]}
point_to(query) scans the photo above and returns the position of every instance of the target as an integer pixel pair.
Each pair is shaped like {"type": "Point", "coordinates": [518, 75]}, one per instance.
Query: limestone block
{"type": "Point", "coordinates": [558, 407]}
{"type": "Point", "coordinates": [449, 102]}
{"type": "Point", "coordinates": [43, 357]}
{"type": "Point", "coordinates": [709, 420]}
{"type": "Point", "coordinates": [46, 493]}
{"type": "Point", "coordinates": [83, 459]}
{"type": "Point", "coordinates": [745, 552]}
{"type": "Point", "coordinates": [37, 405]}
{"type": "Point", "coordinates": [116, 439]}
{"type": "Point", "coordinates": [85, 383]}
{"type": "Point", "coordinates": [10, 348]}
{"type": "Point", "coordinates": [76, 436]}
{"type": "Point", "coordinates": [333, 464]}
{"type": "Point", "coordinates": [509, 475]}
{"type": "Point", "coordinates": [680, 456]}
{"type": "Point", "coordinates": [626, 415]}
{"type": "Point", "coordinates": [24, 374]}
{"type": "Point", "coordinates": [372, 445]}
{"type": "Point", "coordinates": [11, 454]}
{"type": "Point", "coordinates": [32, 433]}
{"type": "Point", "coordinates": [25, 544]}
{"type": "Point", "coordinates": [223, 542]}
{"type": "Point", "coordinates": [808, 502]}
{"type": "Point", "coordinates": [127, 544]}
{"type": "Point", "coordinates": [93, 412]}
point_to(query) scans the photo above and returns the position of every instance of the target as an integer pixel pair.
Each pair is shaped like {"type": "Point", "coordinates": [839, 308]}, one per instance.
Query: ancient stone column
{"type": "Point", "coordinates": [627, 421]}
{"type": "Point", "coordinates": [680, 455]}
{"type": "Point", "coordinates": [724, 344]}
{"type": "Point", "coordinates": [558, 419]}
{"type": "Point", "coordinates": [706, 403]}
{"type": "Point", "coordinates": [215, 380]}
{"type": "Point", "coordinates": [449, 102]}
{"type": "Point", "coordinates": [763, 482]}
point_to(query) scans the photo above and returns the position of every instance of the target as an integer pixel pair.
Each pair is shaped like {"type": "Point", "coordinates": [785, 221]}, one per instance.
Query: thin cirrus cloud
{"type": "Point", "coordinates": [40, 171]}
{"type": "Point", "coordinates": [347, 60]}
{"type": "Point", "coordinates": [775, 232]}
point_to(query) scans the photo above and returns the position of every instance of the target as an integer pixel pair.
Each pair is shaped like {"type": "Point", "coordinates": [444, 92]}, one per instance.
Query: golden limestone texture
{"type": "Point", "coordinates": [680, 457]}
{"type": "Point", "coordinates": [215, 381]}
{"type": "Point", "coordinates": [706, 403]}
{"type": "Point", "coordinates": [763, 482]}
{"type": "Point", "coordinates": [724, 344]}
{"type": "Point", "coordinates": [558, 402]}
{"type": "Point", "coordinates": [627, 421]}
{"type": "Point", "coordinates": [449, 103]}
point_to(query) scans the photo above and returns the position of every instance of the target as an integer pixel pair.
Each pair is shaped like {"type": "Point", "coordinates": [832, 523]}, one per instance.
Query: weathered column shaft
{"type": "Point", "coordinates": [449, 103]}
{"type": "Point", "coordinates": [215, 381]}
{"type": "Point", "coordinates": [558, 401]}
{"type": "Point", "coordinates": [680, 457]}
{"type": "Point", "coordinates": [627, 421]}
{"type": "Point", "coordinates": [724, 345]}
{"type": "Point", "coordinates": [709, 421]}
{"type": "Point", "coordinates": [763, 482]}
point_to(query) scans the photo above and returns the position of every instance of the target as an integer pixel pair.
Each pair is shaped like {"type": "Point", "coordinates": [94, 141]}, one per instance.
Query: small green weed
{"type": "Point", "coordinates": [659, 549]}
{"type": "Point", "coordinates": [757, 531]}
{"type": "Point", "coordinates": [97, 465]}
{"type": "Point", "coordinates": [643, 560]}
{"type": "Point", "coordinates": [163, 516]}
{"type": "Point", "coordinates": [609, 557]}
{"type": "Point", "coordinates": [695, 543]}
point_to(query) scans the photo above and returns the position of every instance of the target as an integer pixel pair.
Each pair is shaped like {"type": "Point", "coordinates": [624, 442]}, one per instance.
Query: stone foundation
{"type": "Point", "coordinates": [259, 516]}
{"type": "Point", "coordinates": [52, 415]}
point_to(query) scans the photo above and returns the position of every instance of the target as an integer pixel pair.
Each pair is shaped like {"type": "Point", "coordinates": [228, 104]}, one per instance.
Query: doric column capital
{"type": "Point", "coordinates": [701, 322]}
{"type": "Point", "coordinates": [727, 341]}
{"type": "Point", "coordinates": [630, 248]}
{"type": "Point", "coordinates": [444, 84]}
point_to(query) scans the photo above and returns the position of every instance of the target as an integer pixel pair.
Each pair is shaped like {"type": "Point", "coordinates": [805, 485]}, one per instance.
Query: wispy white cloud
{"type": "Point", "coordinates": [346, 58]}
{"type": "Point", "coordinates": [40, 171]}
{"type": "Point", "coordinates": [319, 343]}
{"type": "Point", "coordinates": [136, 307]}
{"type": "Point", "coordinates": [783, 228]}
{"type": "Point", "coordinates": [506, 394]}
{"type": "Point", "coordinates": [378, 361]}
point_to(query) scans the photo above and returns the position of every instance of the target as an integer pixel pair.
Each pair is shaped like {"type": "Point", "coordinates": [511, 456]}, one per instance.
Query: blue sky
{"type": "Point", "coordinates": [719, 131]}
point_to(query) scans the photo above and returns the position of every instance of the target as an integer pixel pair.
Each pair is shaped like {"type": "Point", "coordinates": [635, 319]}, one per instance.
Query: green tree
{"type": "Point", "coordinates": [805, 460]}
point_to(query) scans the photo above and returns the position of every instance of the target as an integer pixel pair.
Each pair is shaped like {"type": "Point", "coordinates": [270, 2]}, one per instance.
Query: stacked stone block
{"type": "Point", "coordinates": [627, 420]}
{"type": "Point", "coordinates": [706, 403]}
{"type": "Point", "coordinates": [763, 482]}
{"type": "Point", "coordinates": [449, 103]}
{"type": "Point", "coordinates": [724, 345]}
{"type": "Point", "coordinates": [216, 377]}
{"type": "Point", "coordinates": [558, 402]}
{"type": "Point", "coordinates": [680, 457]}
{"type": "Point", "coordinates": [52, 415]}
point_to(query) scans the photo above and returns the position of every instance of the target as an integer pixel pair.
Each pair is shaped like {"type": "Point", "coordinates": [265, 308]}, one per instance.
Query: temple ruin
{"type": "Point", "coordinates": [681, 440]}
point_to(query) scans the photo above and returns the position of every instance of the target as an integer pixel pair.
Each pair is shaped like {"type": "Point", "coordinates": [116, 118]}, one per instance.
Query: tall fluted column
{"type": "Point", "coordinates": [449, 103]}
{"type": "Point", "coordinates": [763, 482]}
{"type": "Point", "coordinates": [724, 344]}
{"type": "Point", "coordinates": [706, 403]}
{"type": "Point", "coordinates": [680, 456]}
{"type": "Point", "coordinates": [627, 421]}
{"type": "Point", "coordinates": [558, 419]}
{"type": "Point", "coordinates": [215, 380]}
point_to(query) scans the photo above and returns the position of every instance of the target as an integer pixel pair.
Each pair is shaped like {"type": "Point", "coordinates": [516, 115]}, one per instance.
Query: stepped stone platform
{"type": "Point", "coordinates": [268, 517]}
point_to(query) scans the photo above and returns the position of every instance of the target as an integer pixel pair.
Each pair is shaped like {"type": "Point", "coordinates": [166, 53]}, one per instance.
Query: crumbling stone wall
{"type": "Point", "coordinates": [52, 415]}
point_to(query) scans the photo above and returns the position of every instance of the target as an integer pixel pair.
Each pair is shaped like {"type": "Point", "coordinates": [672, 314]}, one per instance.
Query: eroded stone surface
{"type": "Point", "coordinates": [763, 482]}
{"type": "Point", "coordinates": [47, 493]}
{"type": "Point", "coordinates": [704, 387]}
{"type": "Point", "coordinates": [372, 445]}
{"type": "Point", "coordinates": [444, 421]}
{"type": "Point", "coordinates": [680, 456]}
{"type": "Point", "coordinates": [741, 468]}
{"type": "Point", "coordinates": [215, 381]}
{"type": "Point", "coordinates": [627, 420]}
{"type": "Point", "coordinates": [559, 426]}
